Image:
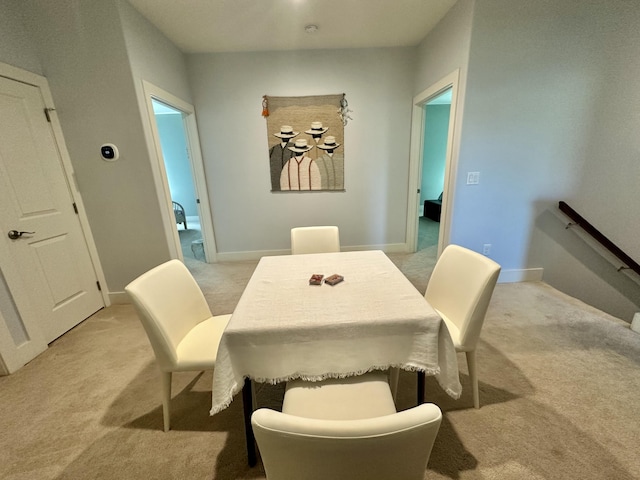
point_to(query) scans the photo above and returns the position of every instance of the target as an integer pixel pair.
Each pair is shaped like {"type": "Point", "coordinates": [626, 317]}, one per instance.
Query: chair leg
{"type": "Point", "coordinates": [394, 374]}
{"type": "Point", "coordinates": [473, 375]}
{"type": "Point", "coordinates": [166, 399]}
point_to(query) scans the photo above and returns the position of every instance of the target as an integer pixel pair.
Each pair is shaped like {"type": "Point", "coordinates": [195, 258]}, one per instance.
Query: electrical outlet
{"type": "Point", "coordinates": [473, 178]}
{"type": "Point", "coordinates": [486, 249]}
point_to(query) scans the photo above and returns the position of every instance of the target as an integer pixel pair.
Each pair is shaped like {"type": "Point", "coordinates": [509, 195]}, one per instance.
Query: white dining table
{"type": "Point", "coordinates": [283, 328]}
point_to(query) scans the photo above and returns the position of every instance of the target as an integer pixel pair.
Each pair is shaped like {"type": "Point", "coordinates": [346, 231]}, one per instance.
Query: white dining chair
{"type": "Point", "coordinates": [460, 289]}
{"type": "Point", "coordinates": [324, 239]}
{"type": "Point", "coordinates": [182, 331]}
{"type": "Point", "coordinates": [345, 429]}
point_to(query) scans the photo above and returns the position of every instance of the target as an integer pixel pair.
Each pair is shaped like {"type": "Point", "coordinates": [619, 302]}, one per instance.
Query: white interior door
{"type": "Point", "coordinates": [52, 261]}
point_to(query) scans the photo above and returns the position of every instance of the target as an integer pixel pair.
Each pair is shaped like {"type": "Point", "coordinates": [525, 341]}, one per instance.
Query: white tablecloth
{"type": "Point", "coordinates": [283, 328]}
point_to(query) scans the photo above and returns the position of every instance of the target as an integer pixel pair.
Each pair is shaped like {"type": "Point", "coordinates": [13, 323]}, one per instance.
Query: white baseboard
{"type": "Point", "coordinates": [387, 248]}
{"type": "Point", "coordinates": [251, 255]}
{"type": "Point", "coordinates": [524, 275]}
{"type": "Point", "coordinates": [258, 254]}
{"type": "Point", "coordinates": [119, 298]}
{"type": "Point", "coordinates": [506, 276]}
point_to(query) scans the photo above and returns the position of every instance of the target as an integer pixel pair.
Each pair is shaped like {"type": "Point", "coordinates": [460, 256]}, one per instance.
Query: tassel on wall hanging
{"type": "Point", "coordinates": [265, 106]}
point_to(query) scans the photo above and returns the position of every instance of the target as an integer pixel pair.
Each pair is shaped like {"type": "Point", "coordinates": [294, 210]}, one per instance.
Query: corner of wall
{"type": "Point", "coordinates": [521, 275]}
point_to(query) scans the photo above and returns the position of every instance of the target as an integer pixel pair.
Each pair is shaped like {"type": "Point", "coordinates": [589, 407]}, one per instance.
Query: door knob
{"type": "Point", "coordinates": [15, 234]}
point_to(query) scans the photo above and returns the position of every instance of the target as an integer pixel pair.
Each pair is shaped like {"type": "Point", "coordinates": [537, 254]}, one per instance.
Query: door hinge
{"type": "Point", "coordinates": [75, 208]}
{"type": "Point", "coordinates": [418, 190]}
{"type": "Point", "coordinates": [99, 287]}
{"type": "Point", "coordinates": [47, 114]}
{"type": "Point", "coordinates": [197, 200]}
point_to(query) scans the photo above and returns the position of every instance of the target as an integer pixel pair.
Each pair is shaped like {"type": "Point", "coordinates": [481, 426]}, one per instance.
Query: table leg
{"type": "Point", "coordinates": [421, 387]}
{"type": "Point", "coordinates": [247, 404]}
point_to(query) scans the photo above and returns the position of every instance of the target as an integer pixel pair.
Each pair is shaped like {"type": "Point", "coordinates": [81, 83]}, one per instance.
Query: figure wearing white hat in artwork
{"type": "Point", "coordinates": [316, 131]}
{"type": "Point", "coordinates": [300, 172]}
{"type": "Point", "coordinates": [331, 165]}
{"type": "Point", "coordinates": [279, 154]}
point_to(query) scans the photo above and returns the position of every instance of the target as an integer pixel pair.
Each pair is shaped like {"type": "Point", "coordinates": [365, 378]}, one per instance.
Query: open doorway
{"type": "Point", "coordinates": [179, 176]}
{"type": "Point", "coordinates": [175, 154]}
{"type": "Point", "coordinates": [434, 159]}
{"type": "Point", "coordinates": [432, 166]}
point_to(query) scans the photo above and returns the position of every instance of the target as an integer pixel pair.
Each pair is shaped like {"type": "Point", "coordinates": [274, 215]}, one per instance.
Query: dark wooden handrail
{"type": "Point", "coordinates": [595, 233]}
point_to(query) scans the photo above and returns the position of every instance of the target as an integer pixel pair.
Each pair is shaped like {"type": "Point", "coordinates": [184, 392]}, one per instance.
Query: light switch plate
{"type": "Point", "coordinates": [473, 178]}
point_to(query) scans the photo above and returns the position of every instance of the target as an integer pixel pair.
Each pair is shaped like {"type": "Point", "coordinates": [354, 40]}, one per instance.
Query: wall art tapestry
{"type": "Point", "coordinates": [306, 142]}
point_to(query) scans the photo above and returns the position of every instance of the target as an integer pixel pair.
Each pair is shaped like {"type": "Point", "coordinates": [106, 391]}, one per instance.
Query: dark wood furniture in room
{"type": "Point", "coordinates": [432, 209]}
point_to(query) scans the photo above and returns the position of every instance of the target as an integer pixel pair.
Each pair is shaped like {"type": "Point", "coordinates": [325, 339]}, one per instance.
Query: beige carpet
{"type": "Point", "coordinates": [559, 386]}
{"type": "Point", "coordinates": [428, 231]}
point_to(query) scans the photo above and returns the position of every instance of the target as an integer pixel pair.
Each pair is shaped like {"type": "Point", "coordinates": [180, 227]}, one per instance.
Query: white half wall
{"type": "Point", "coordinates": [551, 113]}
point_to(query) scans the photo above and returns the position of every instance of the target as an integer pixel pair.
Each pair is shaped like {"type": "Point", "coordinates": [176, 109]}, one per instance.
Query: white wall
{"type": "Point", "coordinates": [95, 55]}
{"type": "Point", "coordinates": [605, 38]}
{"type": "Point", "coordinates": [446, 49]}
{"type": "Point", "coordinates": [152, 55]}
{"type": "Point", "coordinates": [82, 49]}
{"type": "Point", "coordinates": [228, 90]}
{"type": "Point", "coordinates": [16, 46]}
{"type": "Point", "coordinates": [521, 131]}
{"type": "Point", "coordinates": [551, 114]}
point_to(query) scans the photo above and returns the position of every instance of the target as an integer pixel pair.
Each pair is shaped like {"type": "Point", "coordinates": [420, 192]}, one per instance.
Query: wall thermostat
{"type": "Point", "coordinates": [109, 152]}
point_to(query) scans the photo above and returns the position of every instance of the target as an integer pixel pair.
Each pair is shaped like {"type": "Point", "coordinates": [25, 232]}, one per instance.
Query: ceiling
{"type": "Point", "coordinates": [202, 26]}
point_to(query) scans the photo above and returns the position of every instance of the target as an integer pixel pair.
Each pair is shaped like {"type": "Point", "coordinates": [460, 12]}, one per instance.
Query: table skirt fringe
{"type": "Point", "coordinates": [317, 378]}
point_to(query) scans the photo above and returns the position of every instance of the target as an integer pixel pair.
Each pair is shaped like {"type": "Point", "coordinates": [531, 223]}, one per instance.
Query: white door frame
{"type": "Point", "coordinates": [152, 92]}
{"type": "Point", "coordinates": [415, 162]}
{"type": "Point", "coordinates": [14, 356]}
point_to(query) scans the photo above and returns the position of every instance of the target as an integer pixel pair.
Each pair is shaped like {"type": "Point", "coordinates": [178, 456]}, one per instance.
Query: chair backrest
{"type": "Point", "coordinates": [394, 446]}
{"type": "Point", "coordinates": [169, 303]}
{"type": "Point", "coordinates": [178, 210]}
{"type": "Point", "coordinates": [315, 240]}
{"type": "Point", "coordinates": [460, 287]}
